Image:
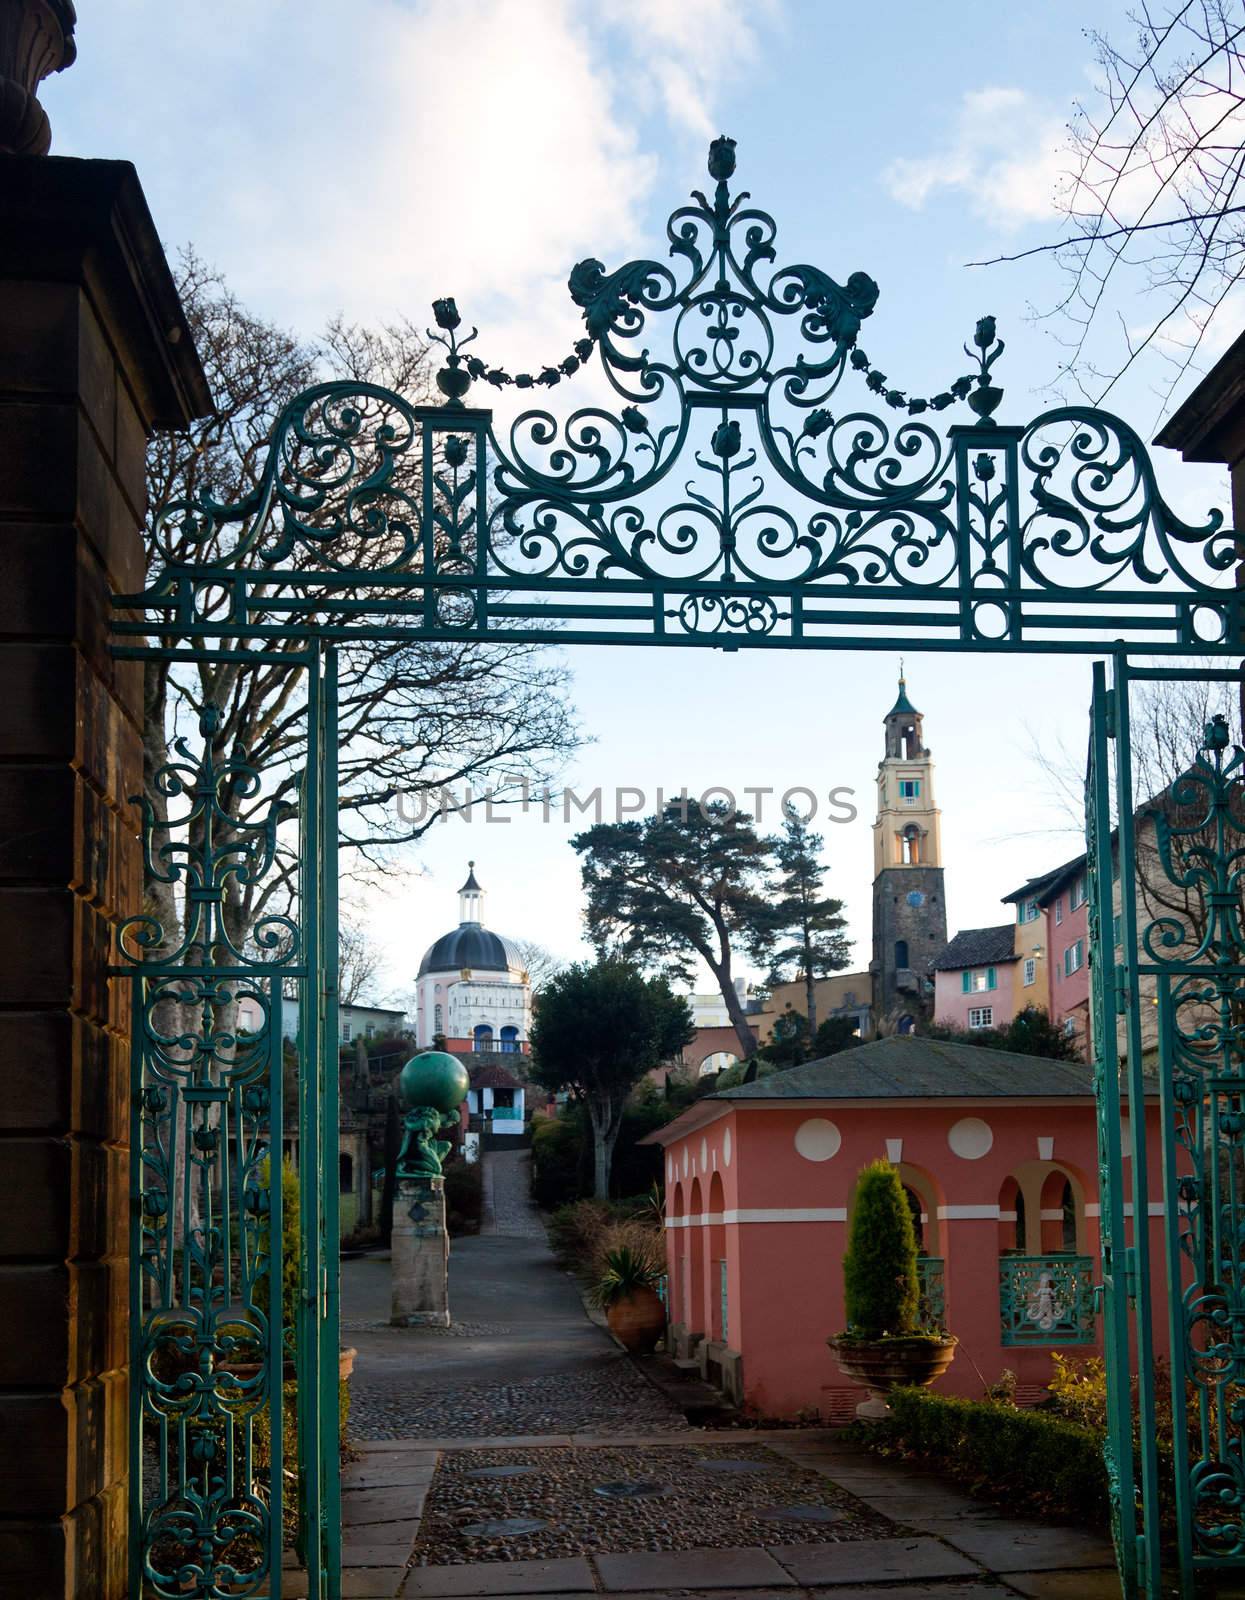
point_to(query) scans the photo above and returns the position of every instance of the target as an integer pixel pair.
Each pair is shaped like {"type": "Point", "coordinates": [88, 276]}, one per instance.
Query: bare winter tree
{"type": "Point", "coordinates": [1153, 198]}
{"type": "Point", "coordinates": [541, 963]}
{"type": "Point", "coordinates": [359, 960]}
{"type": "Point", "coordinates": [415, 717]}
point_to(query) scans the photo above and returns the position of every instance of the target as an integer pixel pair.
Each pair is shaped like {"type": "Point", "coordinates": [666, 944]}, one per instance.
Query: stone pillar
{"type": "Point", "coordinates": [420, 1264]}
{"type": "Point", "coordinates": [94, 354]}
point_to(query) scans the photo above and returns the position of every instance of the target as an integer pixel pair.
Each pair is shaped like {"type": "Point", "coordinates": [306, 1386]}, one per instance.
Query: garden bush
{"type": "Point", "coordinates": [464, 1196]}
{"type": "Point", "coordinates": [1029, 1459]}
{"type": "Point", "coordinates": [584, 1233]}
{"type": "Point", "coordinates": [880, 1289]}
{"type": "Point", "coordinates": [558, 1166]}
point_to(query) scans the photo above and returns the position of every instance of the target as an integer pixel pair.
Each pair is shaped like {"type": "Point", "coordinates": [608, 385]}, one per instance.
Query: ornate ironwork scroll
{"type": "Point", "coordinates": [1194, 948]}
{"type": "Point", "coordinates": [218, 1312]}
{"type": "Point", "coordinates": [733, 493]}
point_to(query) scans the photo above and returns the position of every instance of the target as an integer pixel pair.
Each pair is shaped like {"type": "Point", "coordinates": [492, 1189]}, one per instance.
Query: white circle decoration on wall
{"type": "Point", "coordinates": [817, 1139]}
{"type": "Point", "coordinates": [704, 1154]}
{"type": "Point", "coordinates": [971, 1138]}
{"type": "Point", "coordinates": [726, 1148]}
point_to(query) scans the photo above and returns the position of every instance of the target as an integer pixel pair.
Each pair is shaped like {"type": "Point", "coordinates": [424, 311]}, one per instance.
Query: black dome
{"type": "Point", "coordinates": [470, 946]}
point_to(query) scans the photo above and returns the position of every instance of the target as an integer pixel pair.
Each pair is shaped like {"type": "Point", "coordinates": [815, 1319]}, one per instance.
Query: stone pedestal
{"type": "Point", "coordinates": [94, 354]}
{"type": "Point", "coordinates": [420, 1255]}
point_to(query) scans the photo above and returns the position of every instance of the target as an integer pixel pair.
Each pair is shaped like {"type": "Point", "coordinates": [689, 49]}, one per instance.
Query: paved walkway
{"type": "Point", "coordinates": [522, 1356]}
{"type": "Point", "coordinates": [932, 1543]}
{"type": "Point", "coordinates": [525, 1380]}
{"type": "Point", "coordinates": [508, 1210]}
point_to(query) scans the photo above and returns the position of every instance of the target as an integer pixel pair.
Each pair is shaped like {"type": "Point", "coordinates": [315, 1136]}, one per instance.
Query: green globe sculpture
{"type": "Point", "coordinates": [433, 1078]}
{"type": "Point", "coordinates": [431, 1087]}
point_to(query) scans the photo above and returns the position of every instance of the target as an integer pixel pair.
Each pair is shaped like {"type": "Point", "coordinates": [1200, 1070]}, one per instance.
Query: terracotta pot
{"type": "Point", "coordinates": [883, 1364]}
{"type": "Point", "coordinates": [345, 1361]}
{"type": "Point", "coordinates": [637, 1321]}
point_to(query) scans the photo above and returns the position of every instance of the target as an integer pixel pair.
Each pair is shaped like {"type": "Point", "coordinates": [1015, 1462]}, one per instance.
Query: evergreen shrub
{"type": "Point", "coordinates": [880, 1289]}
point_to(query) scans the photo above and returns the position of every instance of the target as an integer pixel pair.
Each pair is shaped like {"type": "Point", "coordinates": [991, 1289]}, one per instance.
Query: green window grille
{"type": "Point", "coordinates": [933, 1286]}
{"type": "Point", "coordinates": [1046, 1300]}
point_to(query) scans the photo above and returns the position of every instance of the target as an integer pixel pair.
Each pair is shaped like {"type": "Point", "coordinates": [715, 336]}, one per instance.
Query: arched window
{"type": "Point", "coordinates": [509, 1038]}
{"type": "Point", "coordinates": [901, 952]}
{"type": "Point", "coordinates": [483, 1037]}
{"type": "Point", "coordinates": [905, 1024]}
{"type": "Point", "coordinates": [345, 1172]}
{"type": "Point", "coordinates": [437, 1022]}
{"type": "Point", "coordinates": [910, 845]}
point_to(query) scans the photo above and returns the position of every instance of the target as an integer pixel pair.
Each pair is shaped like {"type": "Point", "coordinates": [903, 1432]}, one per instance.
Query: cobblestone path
{"type": "Point", "coordinates": [522, 1358]}
{"type": "Point", "coordinates": [508, 1210]}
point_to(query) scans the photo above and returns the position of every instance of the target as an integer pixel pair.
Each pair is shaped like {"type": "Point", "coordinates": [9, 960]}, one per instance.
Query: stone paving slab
{"type": "Point", "coordinates": [1030, 1546]}
{"type": "Point", "coordinates": [361, 1583]}
{"type": "Point", "coordinates": [693, 1569]}
{"type": "Point", "coordinates": [385, 1552]}
{"type": "Point", "coordinates": [886, 1560]}
{"type": "Point", "coordinates": [1100, 1585]}
{"type": "Point", "coordinates": [361, 1506]}
{"type": "Point", "coordinates": [391, 1472]}
{"type": "Point", "coordinates": [566, 1575]}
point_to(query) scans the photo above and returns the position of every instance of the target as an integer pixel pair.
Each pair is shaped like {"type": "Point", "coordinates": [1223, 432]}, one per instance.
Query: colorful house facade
{"type": "Point", "coordinates": [980, 979]}
{"type": "Point", "coordinates": [998, 1153]}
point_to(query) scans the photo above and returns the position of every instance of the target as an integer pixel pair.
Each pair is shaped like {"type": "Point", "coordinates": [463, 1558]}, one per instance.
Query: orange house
{"type": "Point", "coordinates": [998, 1153]}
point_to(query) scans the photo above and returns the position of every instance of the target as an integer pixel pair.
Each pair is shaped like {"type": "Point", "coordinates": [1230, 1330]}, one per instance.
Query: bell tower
{"type": "Point", "coordinates": [909, 905]}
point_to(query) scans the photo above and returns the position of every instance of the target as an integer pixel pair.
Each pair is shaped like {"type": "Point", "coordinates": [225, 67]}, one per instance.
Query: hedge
{"type": "Point", "coordinates": [1029, 1459]}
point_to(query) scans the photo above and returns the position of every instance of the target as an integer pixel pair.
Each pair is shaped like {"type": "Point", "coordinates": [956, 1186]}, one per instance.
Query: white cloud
{"type": "Point", "coordinates": [1006, 152]}
{"type": "Point", "coordinates": [371, 157]}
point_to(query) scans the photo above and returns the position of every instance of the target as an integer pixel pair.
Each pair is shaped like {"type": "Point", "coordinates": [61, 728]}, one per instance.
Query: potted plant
{"type": "Point", "coordinates": [632, 1306]}
{"type": "Point", "coordinates": [884, 1345]}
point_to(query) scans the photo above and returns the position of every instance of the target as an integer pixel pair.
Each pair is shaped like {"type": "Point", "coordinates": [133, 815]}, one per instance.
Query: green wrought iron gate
{"type": "Point", "coordinates": [234, 1283]}
{"type": "Point", "coordinates": [1168, 986]}
{"type": "Point", "coordinates": [801, 523]}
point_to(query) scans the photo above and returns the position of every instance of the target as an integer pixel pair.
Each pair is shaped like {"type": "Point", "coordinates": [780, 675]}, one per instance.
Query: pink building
{"type": "Point", "coordinates": [976, 981]}
{"type": "Point", "coordinates": [999, 1155]}
{"type": "Point", "coordinates": [1065, 910]}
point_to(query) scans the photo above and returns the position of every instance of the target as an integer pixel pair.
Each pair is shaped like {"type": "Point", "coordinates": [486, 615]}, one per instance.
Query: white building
{"type": "Point", "coordinates": [473, 986]}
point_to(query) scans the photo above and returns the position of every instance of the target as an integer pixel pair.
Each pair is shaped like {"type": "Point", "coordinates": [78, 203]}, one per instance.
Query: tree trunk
{"type": "Point", "coordinates": [393, 1145]}
{"type": "Point", "coordinates": [605, 1122]}
{"type": "Point", "coordinates": [810, 992]}
{"type": "Point", "coordinates": [745, 1035]}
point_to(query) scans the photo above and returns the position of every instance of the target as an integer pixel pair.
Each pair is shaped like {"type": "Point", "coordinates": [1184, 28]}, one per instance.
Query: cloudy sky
{"type": "Point", "coordinates": [364, 158]}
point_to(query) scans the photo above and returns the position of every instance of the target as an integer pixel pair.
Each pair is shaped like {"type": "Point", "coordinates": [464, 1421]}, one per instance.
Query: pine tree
{"type": "Point", "coordinates": [818, 944]}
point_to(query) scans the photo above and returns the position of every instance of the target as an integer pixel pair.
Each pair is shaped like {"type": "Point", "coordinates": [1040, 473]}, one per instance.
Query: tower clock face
{"type": "Point", "coordinates": [915, 899]}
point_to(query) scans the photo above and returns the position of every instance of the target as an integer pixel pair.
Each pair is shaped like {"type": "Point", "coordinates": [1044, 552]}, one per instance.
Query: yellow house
{"type": "Point", "coordinates": [846, 994]}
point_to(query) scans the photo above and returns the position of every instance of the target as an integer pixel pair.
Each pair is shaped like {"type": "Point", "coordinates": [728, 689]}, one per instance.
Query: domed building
{"type": "Point", "coordinates": [473, 987]}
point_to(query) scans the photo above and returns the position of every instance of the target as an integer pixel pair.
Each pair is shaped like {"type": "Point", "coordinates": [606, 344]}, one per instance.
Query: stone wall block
{"type": "Point", "coordinates": [34, 1447]}
{"type": "Point", "coordinates": [36, 945]}
{"type": "Point", "coordinates": [93, 950]}
{"type": "Point", "coordinates": [34, 1301]}
{"type": "Point", "coordinates": [37, 812]}
{"type": "Point", "coordinates": [36, 1071]}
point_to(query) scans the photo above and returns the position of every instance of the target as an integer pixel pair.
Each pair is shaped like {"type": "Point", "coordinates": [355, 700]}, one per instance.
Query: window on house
{"type": "Point", "coordinates": [1074, 958]}
{"type": "Point", "coordinates": [437, 1026]}
{"type": "Point", "coordinates": [483, 1037]}
{"type": "Point", "coordinates": [901, 952]}
{"type": "Point", "coordinates": [1027, 911]}
{"type": "Point", "coordinates": [977, 980]}
{"type": "Point", "coordinates": [910, 790]}
{"type": "Point", "coordinates": [1078, 895]}
{"type": "Point", "coordinates": [1069, 1026]}
{"type": "Point", "coordinates": [1030, 970]}
{"type": "Point", "coordinates": [1059, 911]}
{"type": "Point", "coordinates": [347, 1031]}
{"type": "Point", "coordinates": [981, 1016]}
